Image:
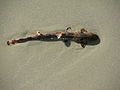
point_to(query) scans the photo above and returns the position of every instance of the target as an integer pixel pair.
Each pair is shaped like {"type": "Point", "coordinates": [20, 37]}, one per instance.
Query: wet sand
{"type": "Point", "coordinates": [52, 65]}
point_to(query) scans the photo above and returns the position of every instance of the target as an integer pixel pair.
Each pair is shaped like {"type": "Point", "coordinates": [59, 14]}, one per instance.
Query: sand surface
{"type": "Point", "coordinates": [51, 65]}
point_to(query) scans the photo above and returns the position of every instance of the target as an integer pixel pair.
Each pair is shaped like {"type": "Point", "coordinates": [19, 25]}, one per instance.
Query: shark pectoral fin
{"type": "Point", "coordinates": [83, 30]}
{"type": "Point", "coordinates": [83, 45]}
{"type": "Point", "coordinates": [67, 43]}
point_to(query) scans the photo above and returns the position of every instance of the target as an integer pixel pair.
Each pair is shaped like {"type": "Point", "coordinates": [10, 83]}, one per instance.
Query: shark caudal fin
{"type": "Point", "coordinates": [67, 43]}
{"type": "Point", "coordinates": [11, 42]}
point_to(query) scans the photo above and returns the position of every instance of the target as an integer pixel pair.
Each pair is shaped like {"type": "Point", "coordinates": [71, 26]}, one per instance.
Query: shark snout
{"type": "Point", "coordinates": [93, 40]}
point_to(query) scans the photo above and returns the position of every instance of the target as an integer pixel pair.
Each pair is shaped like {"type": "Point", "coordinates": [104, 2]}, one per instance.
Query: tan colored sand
{"type": "Point", "coordinates": [52, 66]}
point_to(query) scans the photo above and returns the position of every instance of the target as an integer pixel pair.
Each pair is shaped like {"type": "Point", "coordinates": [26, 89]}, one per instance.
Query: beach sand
{"type": "Point", "coordinates": [51, 65]}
